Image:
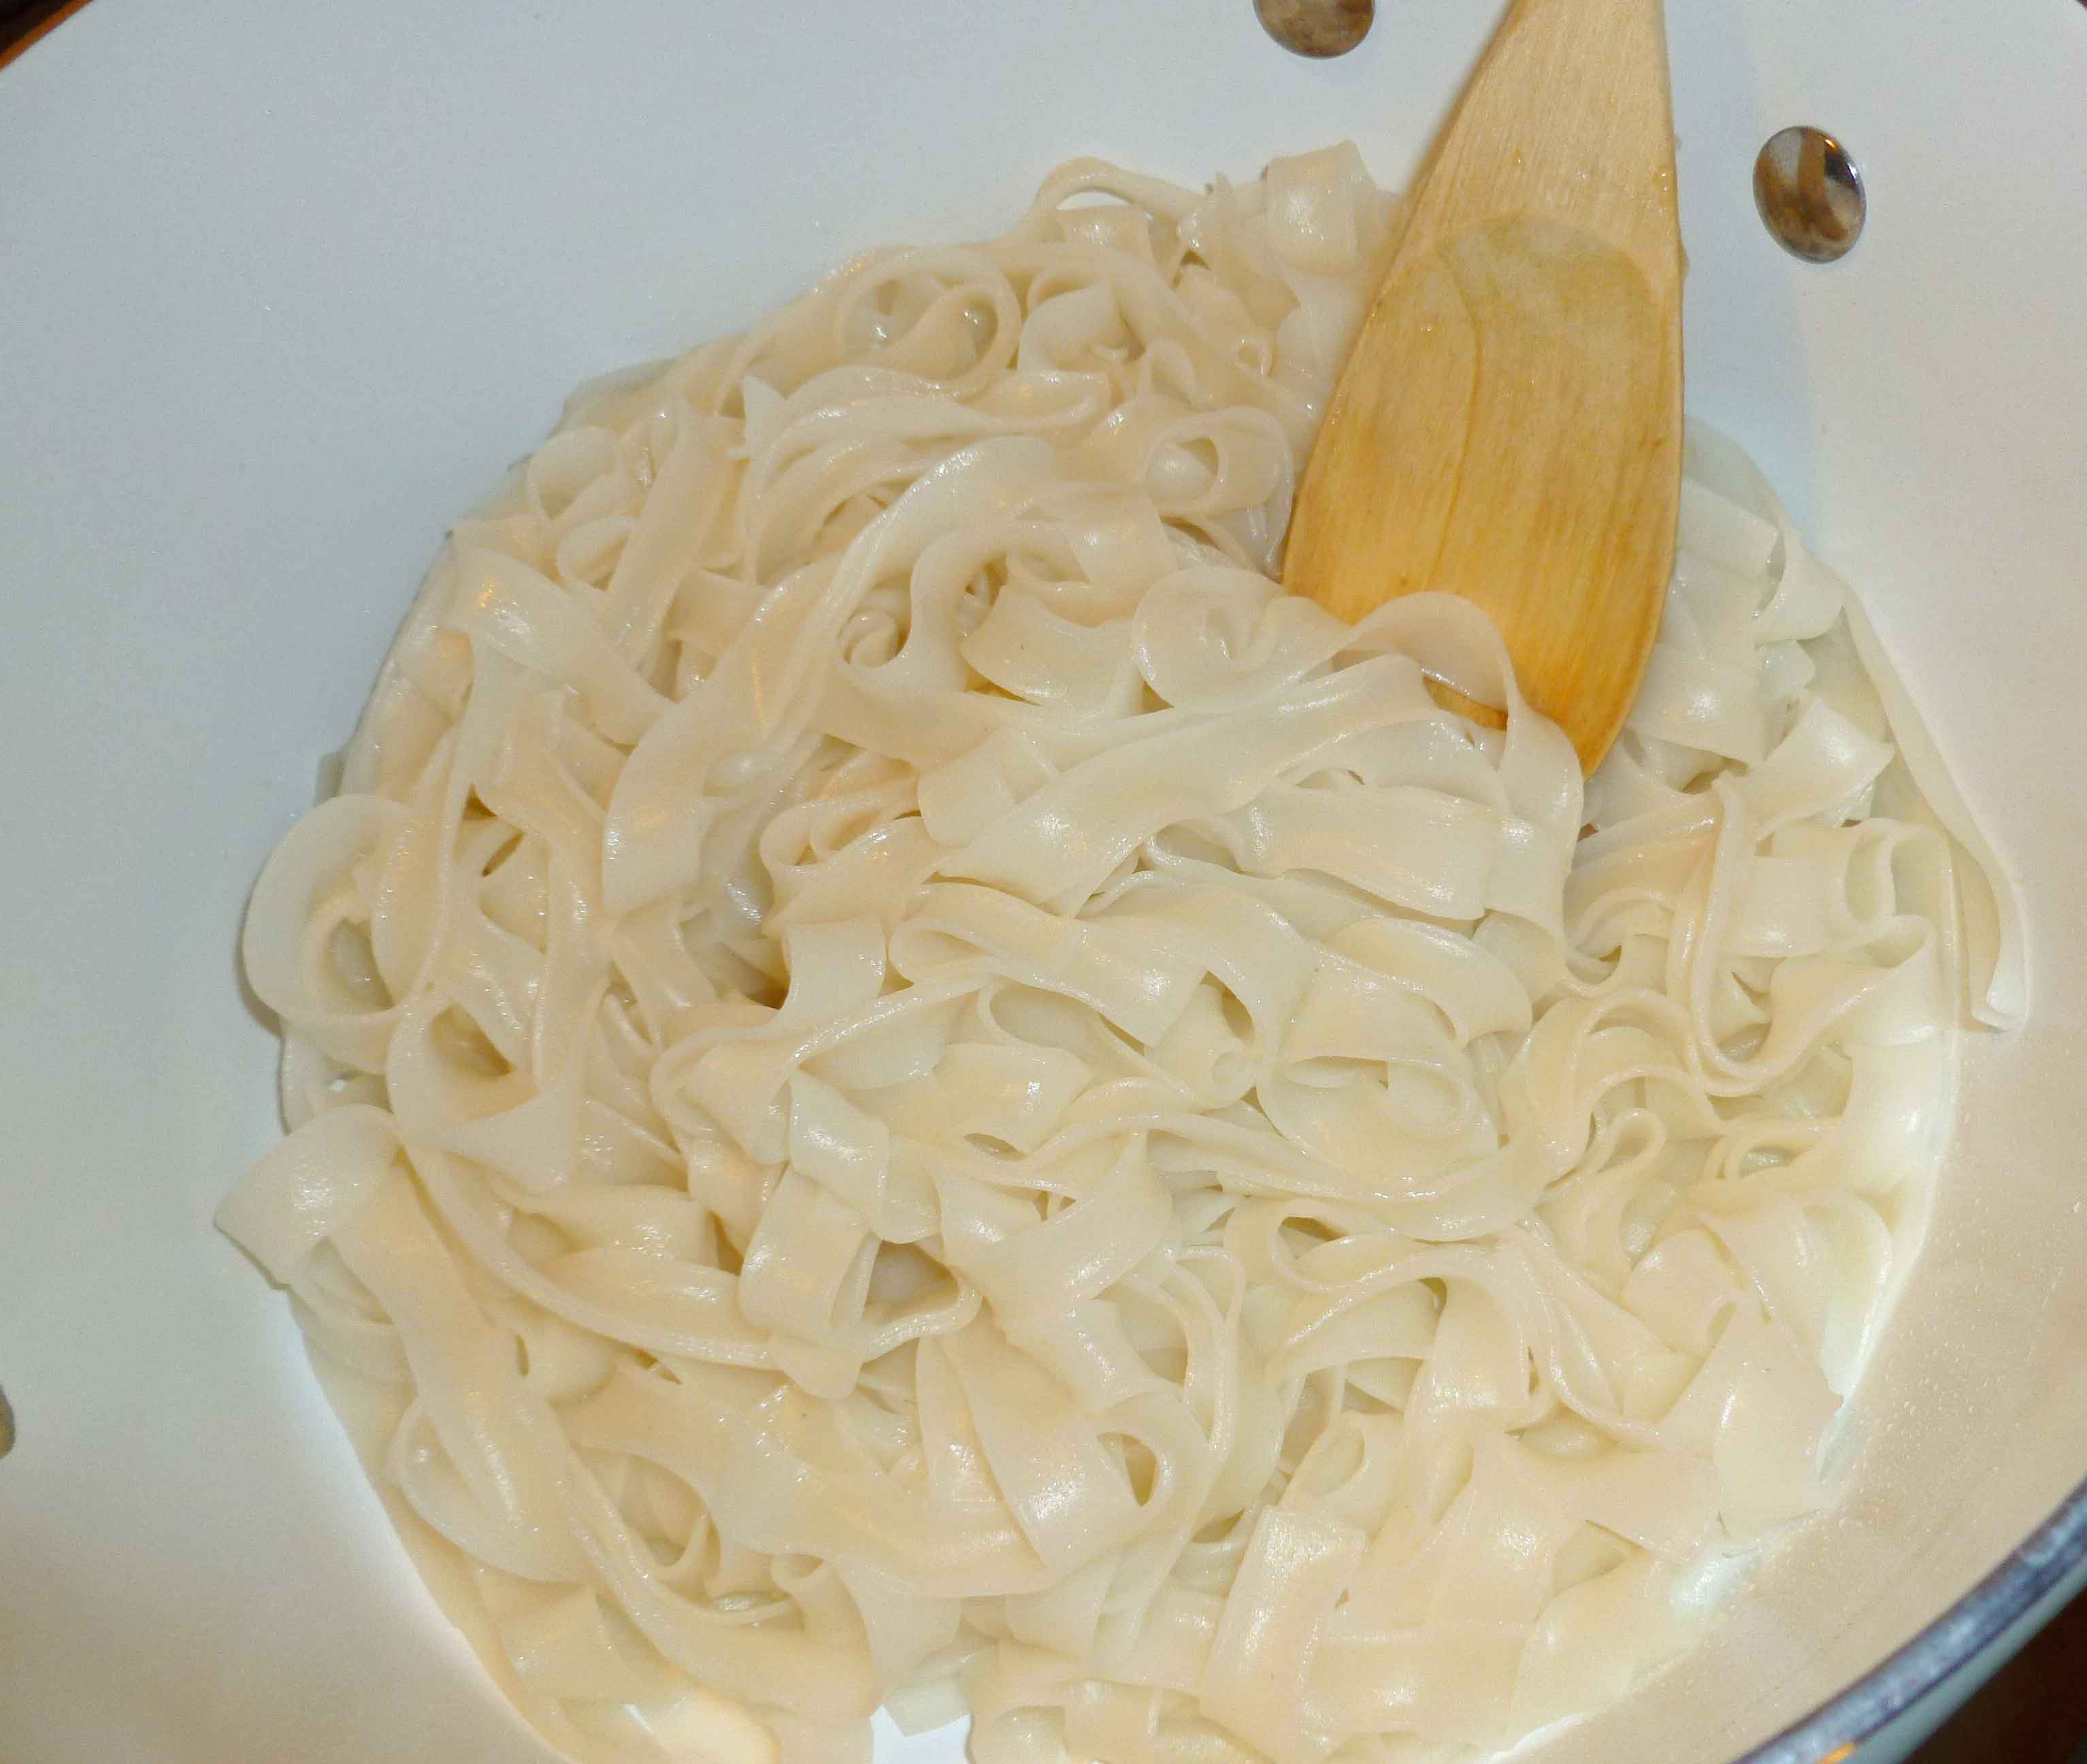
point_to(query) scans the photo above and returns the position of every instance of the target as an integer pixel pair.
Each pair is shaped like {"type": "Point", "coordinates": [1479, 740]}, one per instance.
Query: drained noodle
{"type": "Point", "coordinates": [907, 1086]}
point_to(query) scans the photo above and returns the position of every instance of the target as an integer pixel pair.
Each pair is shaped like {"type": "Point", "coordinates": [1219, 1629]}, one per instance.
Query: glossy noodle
{"type": "Point", "coordinates": [907, 1086]}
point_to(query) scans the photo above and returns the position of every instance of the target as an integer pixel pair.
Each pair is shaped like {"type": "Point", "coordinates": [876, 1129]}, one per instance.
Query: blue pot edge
{"type": "Point", "coordinates": [1923, 1664]}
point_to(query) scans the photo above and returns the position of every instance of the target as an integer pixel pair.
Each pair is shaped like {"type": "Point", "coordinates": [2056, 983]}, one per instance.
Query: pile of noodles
{"type": "Point", "coordinates": [907, 1086]}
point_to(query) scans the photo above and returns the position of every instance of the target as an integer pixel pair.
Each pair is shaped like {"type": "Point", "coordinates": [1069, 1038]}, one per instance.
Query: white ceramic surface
{"type": "Point", "coordinates": [283, 287]}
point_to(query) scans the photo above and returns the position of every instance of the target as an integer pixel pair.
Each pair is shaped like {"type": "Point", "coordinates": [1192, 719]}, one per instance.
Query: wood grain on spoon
{"type": "Point", "coordinates": [1508, 426]}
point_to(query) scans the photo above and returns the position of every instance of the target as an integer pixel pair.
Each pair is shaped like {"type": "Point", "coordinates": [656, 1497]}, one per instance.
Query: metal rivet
{"type": "Point", "coordinates": [1810, 194]}
{"type": "Point", "coordinates": [1316, 27]}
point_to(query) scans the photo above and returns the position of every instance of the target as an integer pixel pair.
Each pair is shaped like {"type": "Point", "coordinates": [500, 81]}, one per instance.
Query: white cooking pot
{"type": "Point", "coordinates": [283, 287]}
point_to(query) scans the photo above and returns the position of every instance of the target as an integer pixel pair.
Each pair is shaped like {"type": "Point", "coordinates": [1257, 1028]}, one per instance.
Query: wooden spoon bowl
{"type": "Point", "coordinates": [1507, 428]}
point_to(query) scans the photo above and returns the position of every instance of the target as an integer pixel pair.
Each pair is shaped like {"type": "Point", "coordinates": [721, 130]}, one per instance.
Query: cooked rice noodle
{"type": "Point", "coordinates": [907, 1086]}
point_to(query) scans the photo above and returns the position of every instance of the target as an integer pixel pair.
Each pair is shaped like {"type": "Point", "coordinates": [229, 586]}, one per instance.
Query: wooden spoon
{"type": "Point", "coordinates": [1509, 427]}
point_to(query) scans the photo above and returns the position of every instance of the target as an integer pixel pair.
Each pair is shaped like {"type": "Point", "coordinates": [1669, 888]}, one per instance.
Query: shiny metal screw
{"type": "Point", "coordinates": [1810, 194]}
{"type": "Point", "coordinates": [1319, 28]}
